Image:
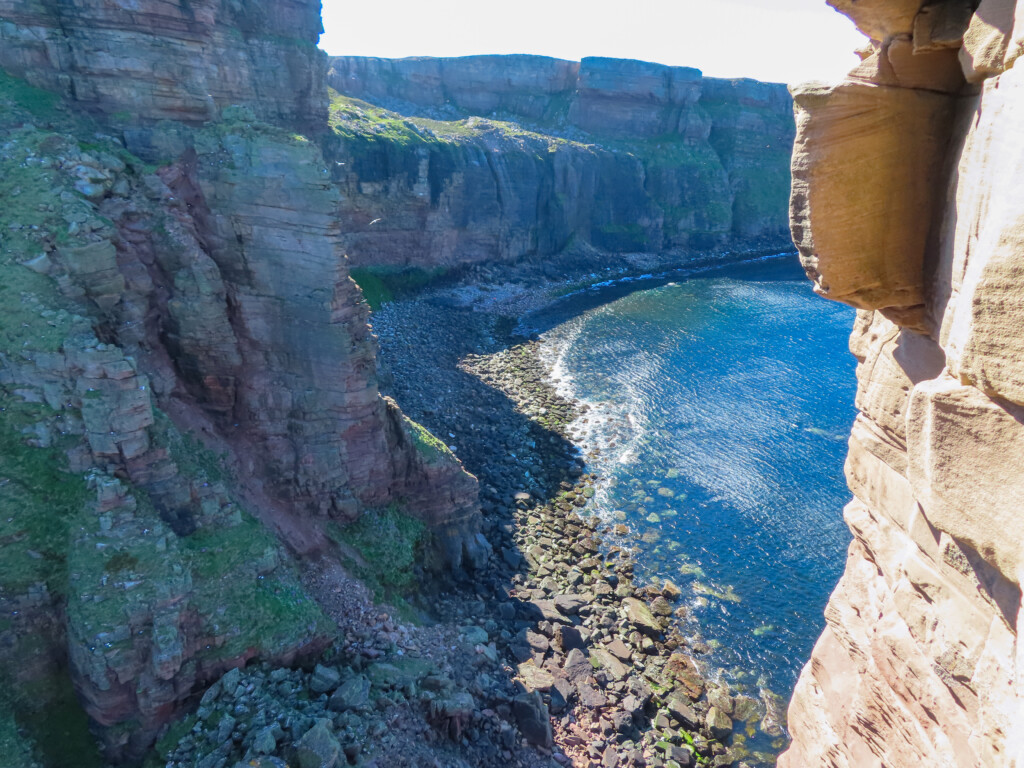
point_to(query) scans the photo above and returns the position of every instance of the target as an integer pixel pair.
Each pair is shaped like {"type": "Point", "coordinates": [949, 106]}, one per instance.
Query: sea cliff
{"type": "Point", "coordinates": [188, 390]}
{"type": "Point", "coordinates": [907, 204]}
{"type": "Point", "coordinates": [484, 159]}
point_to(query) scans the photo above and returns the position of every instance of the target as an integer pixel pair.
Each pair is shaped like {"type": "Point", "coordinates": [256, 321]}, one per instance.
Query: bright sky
{"type": "Point", "coordinates": [787, 41]}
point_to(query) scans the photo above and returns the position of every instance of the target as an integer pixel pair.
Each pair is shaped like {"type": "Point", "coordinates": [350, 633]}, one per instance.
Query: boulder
{"type": "Point", "coordinates": [318, 747]}
{"type": "Point", "coordinates": [324, 679]}
{"type": "Point", "coordinates": [353, 694]}
{"type": "Point", "coordinates": [532, 718]}
{"type": "Point", "coordinates": [718, 723]}
{"type": "Point", "coordinates": [640, 616]}
{"type": "Point", "coordinates": [535, 678]}
{"type": "Point", "coordinates": [683, 713]}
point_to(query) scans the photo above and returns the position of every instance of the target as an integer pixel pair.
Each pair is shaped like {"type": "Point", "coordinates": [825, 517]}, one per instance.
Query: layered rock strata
{"type": "Point", "coordinates": [181, 352]}
{"type": "Point", "coordinates": [503, 158]}
{"type": "Point", "coordinates": [908, 203]}
{"type": "Point", "coordinates": [171, 60]}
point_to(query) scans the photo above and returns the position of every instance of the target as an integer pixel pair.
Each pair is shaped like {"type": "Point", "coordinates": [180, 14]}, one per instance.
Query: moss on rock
{"type": "Point", "coordinates": [429, 446]}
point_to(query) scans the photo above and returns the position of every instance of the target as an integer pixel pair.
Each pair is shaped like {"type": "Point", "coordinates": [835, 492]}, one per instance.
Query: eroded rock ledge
{"type": "Point", "coordinates": [908, 203]}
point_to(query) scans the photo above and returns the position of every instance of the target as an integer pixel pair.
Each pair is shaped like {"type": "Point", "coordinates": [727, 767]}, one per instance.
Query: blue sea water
{"type": "Point", "coordinates": [720, 404]}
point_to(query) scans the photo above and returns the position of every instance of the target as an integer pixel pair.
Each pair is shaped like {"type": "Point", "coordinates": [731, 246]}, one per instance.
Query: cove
{"type": "Point", "coordinates": [719, 404]}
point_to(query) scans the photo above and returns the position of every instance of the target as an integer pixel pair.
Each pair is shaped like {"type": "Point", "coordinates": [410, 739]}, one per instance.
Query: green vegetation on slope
{"type": "Point", "coordinates": [15, 750]}
{"type": "Point", "coordinates": [39, 500]}
{"type": "Point", "coordinates": [56, 726]}
{"type": "Point", "coordinates": [430, 447]}
{"type": "Point", "coordinates": [382, 284]}
{"type": "Point", "coordinates": [22, 102]}
{"type": "Point", "coordinates": [388, 541]}
{"type": "Point", "coordinates": [192, 457]}
{"type": "Point", "coordinates": [353, 118]}
{"type": "Point", "coordinates": [247, 593]}
{"type": "Point", "coordinates": [34, 219]}
{"type": "Point", "coordinates": [227, 586]}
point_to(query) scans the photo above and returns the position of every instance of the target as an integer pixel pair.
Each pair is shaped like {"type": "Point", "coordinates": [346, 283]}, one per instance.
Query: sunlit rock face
{"type": "Point", "coordinates": [616, 155]}
{"type": "Point", "coordinates": [909, 204]}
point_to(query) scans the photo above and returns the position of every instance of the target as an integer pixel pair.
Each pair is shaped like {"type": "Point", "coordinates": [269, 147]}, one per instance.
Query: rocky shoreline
{"type": "Point", "coordinates": [606, 655]}
{"type": "Point", "coordinates": [552, 655]}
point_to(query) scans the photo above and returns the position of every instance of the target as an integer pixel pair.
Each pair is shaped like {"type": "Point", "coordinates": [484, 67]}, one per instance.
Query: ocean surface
{"type": "Point", "coordinates": [719, 406]}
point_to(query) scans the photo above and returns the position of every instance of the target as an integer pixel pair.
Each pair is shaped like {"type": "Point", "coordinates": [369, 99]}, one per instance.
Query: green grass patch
{"type": "Point", "coordinates": [352, 118]}
{"type": "Point", "coordinates": [20, 97]}
{"type": "Point", "coordinates": [39, 499]}
{"type": "Point", "coordinates": [429, 446]}
{"type": "Point", "coordinates": [246, 593]}
{"type": "Point", "coordinates": [49, 714]}
{"type": "Point", "coordinates": [175, 733]}
{"type": "Point", "coordinates": [31, 223]}
{"type": "Point", "coordinates": [389, 543]}
{"type": "Point", "coordinates": [217, 552]}
{"type": "Point", "coordinates": [381, 285]}
{"type": "Point", "coordinates": [375, 290]}
{"type": "Point", "coordinates": [15, 750]}
{"type": "Point", "coordinates": [194, 459]}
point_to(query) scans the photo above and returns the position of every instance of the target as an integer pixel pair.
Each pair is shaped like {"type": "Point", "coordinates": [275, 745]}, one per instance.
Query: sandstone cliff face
{"type": "Point", "coordinates": [909, 204]}
{"type": "Point", "coordinates": [185, 365]}
{"type": "Point", "coordinates": [498, 158]}
{"type": "Point", "coordinates": [171, 60]}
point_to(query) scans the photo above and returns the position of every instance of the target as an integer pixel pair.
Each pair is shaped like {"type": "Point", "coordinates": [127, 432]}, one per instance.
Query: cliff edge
{"type": "Point", "coordinates": [188, 391]}
{"type": "Point", "coordinates": [908, 203]}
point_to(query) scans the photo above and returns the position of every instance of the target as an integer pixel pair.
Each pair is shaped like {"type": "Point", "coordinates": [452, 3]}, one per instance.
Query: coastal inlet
{"type": "Point", "coordinates": [708, 415]}
{"type": "Point", "coordinates": [719, 406]}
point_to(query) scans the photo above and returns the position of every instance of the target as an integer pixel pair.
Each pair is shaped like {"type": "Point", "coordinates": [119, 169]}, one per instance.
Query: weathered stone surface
{"type": "Point", "coordinates": [977, 301]}
{"type": "Point", "coordinates": [532, 717]}
{"type": "Point", "coordinates": [571, 604]}
{"type": "Point", "coordinates": [966, 452]}
{"type": "Point", "coordinates": [718, 723]}
{"type": "Point", "coordinates": [683, 713]}
{"type": "Point", "coordinates": [880, 19]}
{"type": "Point", "coordinates": [324, 680]}
{"type": "Point", "coordinates": [577, 666]}
{"type": "Point", "coordinates": [992, 40]}
{"type": "Point", "coordinates": [534, 678]}
{"type": "Point", "coordinates": [920, 660]}
{"type": "Point", "coordinates": [318, 747]}
{"type": "Point", "coordinates": [615, 669]}
{"type": "Point", "coordinates": [942, 25]}
{"type": "Point", "coordinates": [353, 694]}
{"type": "Point", "coordinates": [619, 649]}
{"type": "Point", "coordinates": [899, 63]}
{"type": "Point", "coordinates": [865, 243]}
{"type": "Point", "coordinates": [684, 672]}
